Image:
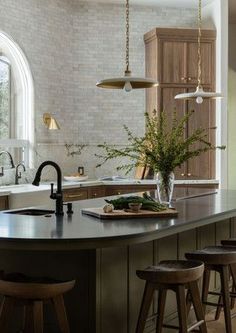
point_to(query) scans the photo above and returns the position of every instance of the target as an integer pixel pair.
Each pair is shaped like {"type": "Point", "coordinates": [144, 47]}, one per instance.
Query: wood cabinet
{"type": "Point", "coordinates": [171, 58]}
{"type": "Point", "coordinates": [96, 192]}
{"type": "Point", "coordinates": [4, 203]}
{"type": "Point", "coordinates": [74, 194]}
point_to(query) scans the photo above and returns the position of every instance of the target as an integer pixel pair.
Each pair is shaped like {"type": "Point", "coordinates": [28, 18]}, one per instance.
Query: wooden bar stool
{"type": "Point", "coordinates": [32, 293]}
{"type": "Point", "coordinates": [219, 259]}
{"type": "Point", "coordinates": [176, 275]}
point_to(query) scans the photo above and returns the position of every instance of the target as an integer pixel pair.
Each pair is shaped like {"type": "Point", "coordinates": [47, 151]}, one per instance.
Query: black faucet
{"type": "Point", "coordinates": [10, 158]}
{"type": "Point", "coordinates": [18, 174]}
{"type": "Point", "coordinates": [58, 196]}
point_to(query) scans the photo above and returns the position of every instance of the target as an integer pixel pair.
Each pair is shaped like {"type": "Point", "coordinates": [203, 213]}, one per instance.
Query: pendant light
{"type": "Point", "coordinates": [127, 82]}
{"type": "Point", "coordinates": [199, 94]}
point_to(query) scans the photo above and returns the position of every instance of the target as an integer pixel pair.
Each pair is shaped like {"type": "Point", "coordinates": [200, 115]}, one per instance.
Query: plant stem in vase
{"type": "Point", "coordinates": [165, 186]}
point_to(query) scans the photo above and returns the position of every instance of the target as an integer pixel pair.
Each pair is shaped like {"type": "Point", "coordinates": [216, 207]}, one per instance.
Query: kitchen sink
{"type": "Point", "coordinates": [31, 212]}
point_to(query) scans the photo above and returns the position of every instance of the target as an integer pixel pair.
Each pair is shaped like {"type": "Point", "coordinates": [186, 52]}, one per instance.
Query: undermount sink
{"type": "Point", "coordinates": [32, 212]}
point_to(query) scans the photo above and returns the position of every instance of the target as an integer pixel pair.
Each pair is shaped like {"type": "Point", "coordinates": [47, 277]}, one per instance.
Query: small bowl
{"type": "Point", "coordinates": [135, 206]}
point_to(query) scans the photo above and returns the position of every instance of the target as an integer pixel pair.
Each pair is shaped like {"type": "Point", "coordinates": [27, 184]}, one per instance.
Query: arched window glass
{"type": "Point", "coordinates": [16, 102]}
{"type": "Point", "coordinates": [5, 98]}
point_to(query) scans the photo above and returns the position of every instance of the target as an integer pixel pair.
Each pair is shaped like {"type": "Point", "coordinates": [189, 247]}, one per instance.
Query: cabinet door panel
{"type": "Point", "coordinates": [192, 62]}
{"type": "Point", "coordinates": [203, 166]}
{"type": "Point", "coordinates": [169, 105]}
{"type": "Point", "coordinates": [173, 62]}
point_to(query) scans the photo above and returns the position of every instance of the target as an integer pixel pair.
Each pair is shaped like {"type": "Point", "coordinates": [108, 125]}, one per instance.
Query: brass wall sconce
{"type": "Point", "coordinates": [50, 122]}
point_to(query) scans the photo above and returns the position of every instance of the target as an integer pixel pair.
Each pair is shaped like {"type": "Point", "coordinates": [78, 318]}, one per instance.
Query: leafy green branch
{"type": "Point", "coordinates": [163, 147]}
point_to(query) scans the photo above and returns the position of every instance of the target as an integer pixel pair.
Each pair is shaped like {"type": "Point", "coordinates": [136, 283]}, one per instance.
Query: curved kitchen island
{"type": "Point", "coordinates": [103, 255]}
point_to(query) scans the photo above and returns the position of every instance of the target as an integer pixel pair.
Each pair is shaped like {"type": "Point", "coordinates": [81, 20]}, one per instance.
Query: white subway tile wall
{"type": "Point", "coordinates": [70, 45]}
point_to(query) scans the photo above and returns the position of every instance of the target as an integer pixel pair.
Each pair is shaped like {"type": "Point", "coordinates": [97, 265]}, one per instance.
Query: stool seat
{"type": "Point", "coordinates": [214, 255]}
{"type": "Point", "coordinates": [172, 272]}
{"type": "Point", "coordinates": [178, 276]}
{"type": "Point", "coordinates": [229, 242]}
{"type": "Point", "coordinates": [221, 259]}
{"type": "Point", "coordinates": [27, 287]}
{"type": "Point", "coordinates": [32, 293]}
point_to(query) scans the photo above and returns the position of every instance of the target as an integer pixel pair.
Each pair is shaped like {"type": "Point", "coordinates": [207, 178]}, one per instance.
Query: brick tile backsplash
{"type": "Point", "coordinates": [70, 45]}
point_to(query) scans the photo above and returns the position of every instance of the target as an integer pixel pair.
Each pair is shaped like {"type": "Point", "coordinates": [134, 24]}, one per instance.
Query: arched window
{"type": "Point", "coordinates": [16, 102]}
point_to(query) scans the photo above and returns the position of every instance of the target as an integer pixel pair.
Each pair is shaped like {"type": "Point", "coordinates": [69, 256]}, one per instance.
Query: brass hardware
{"type": "Point", "coordinates": [118, 193]}
{"type": "Point", "coordinates": [189, 174]}
{"type": "Point", "coordinates": [50, 122]}
{"type": "Point", "coordinates": [94, 194]}
{"type": "Point", "coordinates": [189, 79]}
{"type": "Point", "coordinates": [70, 196]}
{"type": "Point", "coordinates": [183, 78]}
{"type": "Point", "coordinates": [182, 174]}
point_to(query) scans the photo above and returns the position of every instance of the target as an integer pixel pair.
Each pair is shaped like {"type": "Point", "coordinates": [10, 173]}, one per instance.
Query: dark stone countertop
{"type": "Point", "coordinates": [83, 232]}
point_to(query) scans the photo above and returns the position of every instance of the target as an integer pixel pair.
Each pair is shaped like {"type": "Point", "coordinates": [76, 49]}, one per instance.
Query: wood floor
{"type": "Point", "coordinates": [218, 326]}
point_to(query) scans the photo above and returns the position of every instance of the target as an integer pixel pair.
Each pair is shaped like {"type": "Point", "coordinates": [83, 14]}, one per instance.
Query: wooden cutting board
{"type": "Point", "coordinates": [126, 214]}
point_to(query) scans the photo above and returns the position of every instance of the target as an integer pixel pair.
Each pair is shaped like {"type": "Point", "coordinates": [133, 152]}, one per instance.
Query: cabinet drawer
{"type": "Point", "coordinates": [118, 190]}
{"type": "Point", "coordinates": [96, 192]}
{"type": "Point", "coordinates": [4, 203]}
{"type": "Point", "coordinates": [75, 194]}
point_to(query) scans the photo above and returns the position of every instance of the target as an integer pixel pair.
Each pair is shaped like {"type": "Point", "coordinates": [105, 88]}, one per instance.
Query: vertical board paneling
{"type": "Point", "coordinates": [114, 290]}
{"type": "Point", "coordinates": [140, 257]}
{"type": "Point", "coordinates": [168, 249]}
{"type": "Point", "coordinates": [187, 242]}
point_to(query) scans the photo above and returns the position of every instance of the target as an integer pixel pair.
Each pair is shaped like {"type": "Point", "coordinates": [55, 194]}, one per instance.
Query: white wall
{"type": "Point", "coordinates": [232, 107]}
{"type": "Point", "coordinates": [70, 45]}
{"type": "Point", "coordinates": [215, 15]}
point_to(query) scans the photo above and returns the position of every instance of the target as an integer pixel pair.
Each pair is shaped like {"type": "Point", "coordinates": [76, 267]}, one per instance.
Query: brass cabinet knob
{"type": "Point", "coordinates": [189, 79]}
{"type": "Point", "coordinates": [94, 194]}
{"type": "Point", "coordinates": [189, 174]}
{"type": "Point", "coordinates": [183, 78]}
{"type": "Point", "coordinates": [182, 174]}
{"type": "Point", "coordinates": [118, 193]}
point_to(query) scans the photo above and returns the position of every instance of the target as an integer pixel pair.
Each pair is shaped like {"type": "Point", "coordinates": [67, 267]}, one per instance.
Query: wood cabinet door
{"type": "Point", "coordinates": [192, 62]}
{"type": "Point", "coordinates": [173, 62]}
{"type": "Point", "coordinates": [203, 166]}
{"type": "Point", "coordinates": [170, 105]}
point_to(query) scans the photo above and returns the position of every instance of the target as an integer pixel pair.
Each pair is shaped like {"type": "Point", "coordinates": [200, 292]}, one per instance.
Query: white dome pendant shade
{"type": "Point", "coordinates": [199, 94]}
{"type": "Point", "coordinates": [127, 82]}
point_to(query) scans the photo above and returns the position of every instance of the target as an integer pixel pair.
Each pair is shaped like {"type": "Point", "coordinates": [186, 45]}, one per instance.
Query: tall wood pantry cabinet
{"type": "Point", "coordinates": [171, 58]}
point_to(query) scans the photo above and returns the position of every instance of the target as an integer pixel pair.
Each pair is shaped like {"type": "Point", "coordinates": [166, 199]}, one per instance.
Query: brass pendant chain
{"type": "Point", "coordinates": [199, 43]}
{"type": "Point", "coordinates": [127, 71]}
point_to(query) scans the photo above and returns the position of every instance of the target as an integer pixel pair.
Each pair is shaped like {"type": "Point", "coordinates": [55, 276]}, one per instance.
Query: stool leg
{"type": "Point", "coordinates": [218, 309]}
{"type": "Point", "coordinates": [38, 316]}
{"type": "Point", "coordinates": [6, 308]}
{"type": "Point", "coordinates": [161, 309]}
{"type": "Point", "coordinates": [182, 311]}
{"type": "Point", "coordinates": [205, 287]}
{"type": "Point", "coordinates": [61, 314]}
{"type": "Point", "coordinates": [146, 303]}
{"type": "Point", "coordinates": [224, 276]}
{"type": "Point", "coordinates": [233, 274]}
{"type": "Point", "coordinates": [197, 304]}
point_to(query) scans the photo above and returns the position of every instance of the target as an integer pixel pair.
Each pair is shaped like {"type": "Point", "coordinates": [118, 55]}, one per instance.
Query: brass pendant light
{"type": "Point", "coordinates": [199, 94]}
{"type": "Point", "coordinates": [127, 82]}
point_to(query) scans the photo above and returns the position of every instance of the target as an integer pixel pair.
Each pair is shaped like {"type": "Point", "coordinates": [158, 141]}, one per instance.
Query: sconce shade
{"type": "Point", "coordinates": [50, 122]}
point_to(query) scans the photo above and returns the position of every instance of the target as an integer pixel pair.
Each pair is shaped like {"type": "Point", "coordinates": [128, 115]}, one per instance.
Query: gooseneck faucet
{"type": "Point", "coordinates": [58, 196]}
{"type": "Point", "coordinates": [18, 173]}
{"type": "Point", "coordinates": [10, 157]}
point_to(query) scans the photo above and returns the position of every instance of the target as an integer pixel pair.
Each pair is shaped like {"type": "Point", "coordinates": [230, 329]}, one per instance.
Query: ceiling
{"type": "Point", "coordinates": [163, 3]}
{"type": "Point", "coordinates": [175, 3]}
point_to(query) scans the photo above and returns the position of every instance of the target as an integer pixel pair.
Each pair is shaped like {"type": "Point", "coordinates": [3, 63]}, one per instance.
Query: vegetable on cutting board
{"type": "Point", "coordinates": [148, 203]}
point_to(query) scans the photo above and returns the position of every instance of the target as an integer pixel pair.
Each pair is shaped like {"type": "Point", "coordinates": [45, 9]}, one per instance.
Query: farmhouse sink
{"type": "Point", "coordinates": [31, 212]}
